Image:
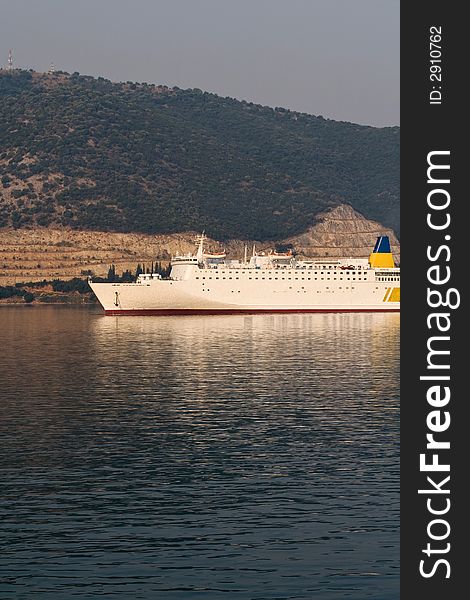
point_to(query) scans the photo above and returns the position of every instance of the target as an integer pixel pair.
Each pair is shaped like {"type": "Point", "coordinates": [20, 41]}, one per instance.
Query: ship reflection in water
{"type": "Point", "coordinates": [251, 457]}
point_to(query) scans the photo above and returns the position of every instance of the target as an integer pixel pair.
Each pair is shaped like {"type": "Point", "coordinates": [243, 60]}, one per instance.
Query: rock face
{"type": "Point", "coordinates": [37, 254]}
{"type": "Point", "coordinates": [339, 232]}
{"type": "Point", "coordinates": [342, 232]}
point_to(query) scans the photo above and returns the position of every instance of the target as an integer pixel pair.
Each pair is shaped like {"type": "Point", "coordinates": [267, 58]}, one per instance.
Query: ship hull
{"type": "Point", "coordinates": [166, 297]}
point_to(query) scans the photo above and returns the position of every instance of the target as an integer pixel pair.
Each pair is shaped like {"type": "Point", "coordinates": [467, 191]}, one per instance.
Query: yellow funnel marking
{"type": "Point", "coordinates": [395, 295]}
{"type": "Point", "coordinates": [386, 294]}
{"type": "Point", "coordinates": [381, 260]}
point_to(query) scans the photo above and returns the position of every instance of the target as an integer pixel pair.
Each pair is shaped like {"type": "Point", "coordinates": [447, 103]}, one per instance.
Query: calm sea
{"type": "Point", "coordinates": [244, 457]}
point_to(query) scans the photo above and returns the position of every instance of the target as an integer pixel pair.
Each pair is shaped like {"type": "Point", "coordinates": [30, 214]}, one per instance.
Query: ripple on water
{"type": "Point", "coordinates": [253, 457]}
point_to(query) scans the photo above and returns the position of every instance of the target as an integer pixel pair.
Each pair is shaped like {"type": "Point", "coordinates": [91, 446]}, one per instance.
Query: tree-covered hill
{"type": "Point", "coordinates": [87, 153]}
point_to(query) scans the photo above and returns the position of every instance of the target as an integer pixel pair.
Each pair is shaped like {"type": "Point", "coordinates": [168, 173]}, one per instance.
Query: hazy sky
{"type": "Point", "coordinates": [336, 58]}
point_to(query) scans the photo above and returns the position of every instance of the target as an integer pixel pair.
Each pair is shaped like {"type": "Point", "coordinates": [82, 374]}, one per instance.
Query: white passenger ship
{"type": "Point", "coordinates": [205, 283]}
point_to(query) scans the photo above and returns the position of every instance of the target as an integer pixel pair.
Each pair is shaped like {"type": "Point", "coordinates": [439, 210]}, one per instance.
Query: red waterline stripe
{"type": "Point", "coordinates": [237, 311]}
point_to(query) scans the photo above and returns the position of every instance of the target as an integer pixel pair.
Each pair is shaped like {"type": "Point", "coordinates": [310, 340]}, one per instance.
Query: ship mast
{"type": "Point", "coordinates": [200, 250]}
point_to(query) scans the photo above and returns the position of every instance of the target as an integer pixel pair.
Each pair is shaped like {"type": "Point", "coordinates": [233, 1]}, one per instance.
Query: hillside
{"type": "Point", "coordinates": [48, 253]}
{"type": "Point", "coordinates": [89, 154]}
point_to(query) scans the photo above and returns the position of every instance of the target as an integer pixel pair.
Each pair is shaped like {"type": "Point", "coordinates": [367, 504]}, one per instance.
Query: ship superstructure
{"type": "Point", "coordinates": [203, 283]}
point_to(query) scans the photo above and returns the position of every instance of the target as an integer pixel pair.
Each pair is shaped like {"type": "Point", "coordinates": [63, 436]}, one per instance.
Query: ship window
{"type": "Point", "coordinates": [217, 278]}
{"type": "Point", "coordinates": [197, 277]}
{"type": "Point", "coordinates": [203, 277]}
{"type": "Point", "coordinates": [237, 277]}
{"type": "Point", "coordinates": [230, 278]}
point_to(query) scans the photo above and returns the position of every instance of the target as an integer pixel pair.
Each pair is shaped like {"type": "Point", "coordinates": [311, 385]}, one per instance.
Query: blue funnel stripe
{"type": "Point", "coordinates": [382, 245]}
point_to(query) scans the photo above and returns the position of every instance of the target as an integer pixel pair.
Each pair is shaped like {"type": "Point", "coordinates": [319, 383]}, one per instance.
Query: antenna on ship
{"type": "Point", "coordinates": [246, 254]}
{"type": "Point", "coordinates": [10, 60]}
{"type": "Point", "coordinates": [51, 69]}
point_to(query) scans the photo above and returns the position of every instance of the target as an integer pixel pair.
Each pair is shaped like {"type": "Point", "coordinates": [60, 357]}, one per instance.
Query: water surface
{"type": "Point", "coordinates": [245, 457]}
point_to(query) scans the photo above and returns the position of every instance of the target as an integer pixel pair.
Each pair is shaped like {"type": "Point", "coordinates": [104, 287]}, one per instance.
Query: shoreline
{"type": "Point", "coordinates": [50, 299]}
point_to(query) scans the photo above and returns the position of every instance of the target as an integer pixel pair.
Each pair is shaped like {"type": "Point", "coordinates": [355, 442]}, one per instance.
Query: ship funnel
{"type": "Point", "coordinates": [381, 256]}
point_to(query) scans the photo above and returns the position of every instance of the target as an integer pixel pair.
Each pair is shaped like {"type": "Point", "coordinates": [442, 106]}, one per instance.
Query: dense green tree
{"type": "Point", "coordinates": [112, 273]}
